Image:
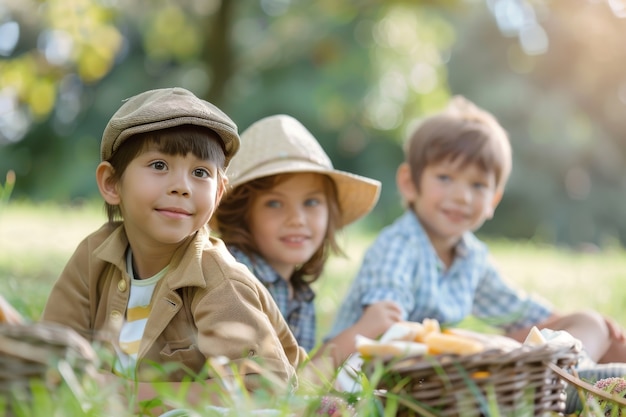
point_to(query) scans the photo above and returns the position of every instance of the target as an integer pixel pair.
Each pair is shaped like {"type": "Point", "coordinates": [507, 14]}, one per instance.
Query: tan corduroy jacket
{"type": "Point", "coordinates": [207, 305]}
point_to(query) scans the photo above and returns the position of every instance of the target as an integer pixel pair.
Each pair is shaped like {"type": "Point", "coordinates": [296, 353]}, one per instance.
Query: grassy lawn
{"type": "Point", "coordinates": [37, 241]}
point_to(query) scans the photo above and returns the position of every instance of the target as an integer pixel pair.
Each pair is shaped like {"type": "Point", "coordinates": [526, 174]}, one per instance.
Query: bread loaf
{"type": "Point", "coordinates": [489, 341]}
{"type": "Point", "coordinates": [430, 326]}
{"type": "Point", "coordinates": [439, 343]}
{"type": "Point", "coordinates": [409, 331]}
{"type": "Point", "coordinates": [394, 348]}
{"type": "Point", "coordinates": [407, 338]}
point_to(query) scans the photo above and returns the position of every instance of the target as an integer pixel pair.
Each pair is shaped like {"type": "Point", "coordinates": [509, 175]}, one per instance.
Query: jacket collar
{"type": "Point", "coordinates": [185, 267]}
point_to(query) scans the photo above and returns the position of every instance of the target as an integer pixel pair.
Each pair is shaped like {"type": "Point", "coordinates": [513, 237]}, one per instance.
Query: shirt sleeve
{"type": "Point", "coordinates": [506, 307]}
{"type": "Point", "coordinates": [69, 300]}
{"type": "Point", "coordinates": [385, 275]}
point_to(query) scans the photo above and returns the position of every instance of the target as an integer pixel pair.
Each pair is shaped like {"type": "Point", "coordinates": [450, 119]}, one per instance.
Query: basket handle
{"type": "Point", "coordinates": [576, 381]}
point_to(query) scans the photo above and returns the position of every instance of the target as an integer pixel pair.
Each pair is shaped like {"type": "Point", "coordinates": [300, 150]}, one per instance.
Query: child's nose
{"type": "Point", "coordinates": [180, 184]}
{"type": "Point", "coordinates": [462, 193]}
{"type": "Point", "coordinates": [296, 215]}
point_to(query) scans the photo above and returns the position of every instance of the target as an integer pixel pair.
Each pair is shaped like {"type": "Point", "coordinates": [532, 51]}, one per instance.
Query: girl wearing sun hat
{"type": "Point", "coordinates": [284, 205]}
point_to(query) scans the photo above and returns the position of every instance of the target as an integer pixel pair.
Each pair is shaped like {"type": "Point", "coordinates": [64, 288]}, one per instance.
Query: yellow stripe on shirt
{"type": "Point", "coordinates": [137, 313]}
{"type": "Point", "coordinates": [130, 348]}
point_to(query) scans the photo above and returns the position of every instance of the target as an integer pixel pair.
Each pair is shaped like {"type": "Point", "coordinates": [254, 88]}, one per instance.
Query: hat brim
{"type": "Point", "coordinates": [357, 195]}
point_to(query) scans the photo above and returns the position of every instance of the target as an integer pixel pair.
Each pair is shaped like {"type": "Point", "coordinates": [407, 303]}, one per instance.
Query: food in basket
{"type": "Point", "coordinates": [414, 338]}
{"type": "Point", "coordinates": [430, 326]}
{"type": "Point", "coordinates": [489, 341]}
{"type": "Point", "coordinates": [535, 338]}
{"type": "Point", "coordinates": [409, 331]}
{"type": "Point", "coordinates": [554, 338]}
{"type": "Point", "coordinates": [439, 343]}
{"type": "Point", "coordinates": [392, 348]}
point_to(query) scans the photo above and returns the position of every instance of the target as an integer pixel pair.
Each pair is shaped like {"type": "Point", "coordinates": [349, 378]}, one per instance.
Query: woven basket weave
{"type": "Point", "coordinates": [35, 351]}
{"type": "Point", "coordinates": [452, 385]}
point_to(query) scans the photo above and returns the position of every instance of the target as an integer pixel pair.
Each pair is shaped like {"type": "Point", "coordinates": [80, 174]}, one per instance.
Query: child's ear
{"type": "Point", "coordinates": [221, 187]}
{"type": "Point", "coordinates": [494, 203]}
{"type": "Point", "coordinates": [106, 183]}
{"type": "Point", "coordinates": [406, 186]}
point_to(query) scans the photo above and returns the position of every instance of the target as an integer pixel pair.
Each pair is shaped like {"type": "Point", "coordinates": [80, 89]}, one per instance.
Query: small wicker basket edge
{"type": "Point", "coordinates": [32, 351]}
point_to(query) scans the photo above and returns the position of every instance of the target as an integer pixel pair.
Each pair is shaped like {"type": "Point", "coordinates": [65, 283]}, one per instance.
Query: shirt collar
{"type": "Point", "coordinates": [268, 275]}
{"type": "Point", "coordinates": [415, 228]}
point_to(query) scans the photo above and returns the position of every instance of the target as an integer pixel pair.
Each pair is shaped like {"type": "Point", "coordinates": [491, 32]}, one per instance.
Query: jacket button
{"type": "Point", "coordinates": [116, 316]}
{"type": "Point", "coordinates": [121, 285]}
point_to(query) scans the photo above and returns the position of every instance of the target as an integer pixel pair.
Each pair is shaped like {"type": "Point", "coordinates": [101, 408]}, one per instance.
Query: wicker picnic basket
{"type": "Point", "coordinates": [516, 382]}
{"type": "Point", "coordinates": [44, 352]}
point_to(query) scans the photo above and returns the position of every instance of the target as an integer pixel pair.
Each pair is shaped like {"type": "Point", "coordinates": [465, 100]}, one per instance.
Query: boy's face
{"type": "Point", "coordinates": [166, 198]}
{"type": "Point", "coordinates": [288, 223]}
{"type": "Point", "coordinates": [454, 198]}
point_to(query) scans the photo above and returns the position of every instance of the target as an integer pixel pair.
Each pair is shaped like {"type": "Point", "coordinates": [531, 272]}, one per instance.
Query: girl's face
{"type": "Point", "coordinates": [288, 223]}
{"type": "Point", "coordinates": [454, 198]}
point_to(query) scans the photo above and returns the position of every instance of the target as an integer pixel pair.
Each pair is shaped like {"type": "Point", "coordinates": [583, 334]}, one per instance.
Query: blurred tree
{"type": "Point", "coordinates": [562, 101]}
{"type": "Point", "coordinates": [357, 73]}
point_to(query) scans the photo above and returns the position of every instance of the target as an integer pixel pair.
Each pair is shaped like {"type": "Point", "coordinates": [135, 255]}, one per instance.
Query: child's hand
{"type": "Point", "coordinates": [378, 317]}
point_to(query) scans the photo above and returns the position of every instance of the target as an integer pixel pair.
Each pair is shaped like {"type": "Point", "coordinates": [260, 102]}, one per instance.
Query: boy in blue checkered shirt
{"type": "Point", "coordinates": [429, 264]}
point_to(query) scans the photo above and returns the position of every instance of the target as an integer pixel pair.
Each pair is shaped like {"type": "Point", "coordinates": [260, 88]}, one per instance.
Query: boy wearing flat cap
{"type": "Point", "coordinates": [152, 279]}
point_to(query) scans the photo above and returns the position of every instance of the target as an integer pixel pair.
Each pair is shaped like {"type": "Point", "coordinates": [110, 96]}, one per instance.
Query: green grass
{"type": "Point", "coordinates": [37, 240]}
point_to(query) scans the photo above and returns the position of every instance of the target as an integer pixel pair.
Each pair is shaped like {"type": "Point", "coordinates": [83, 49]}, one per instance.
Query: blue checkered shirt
{"type": "Point", "coordinates": [402, 266]}
{"type": "Point", "coordinates": [299, 312]}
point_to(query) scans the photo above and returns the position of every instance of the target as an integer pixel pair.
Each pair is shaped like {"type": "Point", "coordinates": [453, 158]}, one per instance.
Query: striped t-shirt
{"type": "Point", "coordinates": [137, 313]}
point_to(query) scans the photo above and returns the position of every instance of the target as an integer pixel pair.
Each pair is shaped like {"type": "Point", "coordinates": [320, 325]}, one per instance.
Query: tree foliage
{"type": "Point", "coordinates": [358, 73]}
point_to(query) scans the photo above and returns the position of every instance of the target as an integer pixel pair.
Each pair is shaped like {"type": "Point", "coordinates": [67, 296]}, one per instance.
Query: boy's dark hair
{"type": "Point", "coordinates": [203, 143]}
{"type": "Point", "coordinates": [233, 223]}
{"type": "Point", "coordinates": [462, 130]}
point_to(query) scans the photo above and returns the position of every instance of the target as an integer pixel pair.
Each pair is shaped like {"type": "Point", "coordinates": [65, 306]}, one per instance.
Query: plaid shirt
{"type": "Point", "coordinates": [402, 266]}
{"type": "Point", "coordinates": [299, 312]}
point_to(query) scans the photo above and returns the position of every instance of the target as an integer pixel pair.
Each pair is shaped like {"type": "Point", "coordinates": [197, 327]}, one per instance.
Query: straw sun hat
{"type": "Point", "coordinates": [280, 144]}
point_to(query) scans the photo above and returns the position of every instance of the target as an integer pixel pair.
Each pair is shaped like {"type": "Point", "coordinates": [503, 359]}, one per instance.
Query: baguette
{"type": "Point", "coordinates": [404, 330]}
{"type": "Point", "coordinates": [489, 341]}
{"type": "Point", "coordinates": [439, 343]}
{"type": "Point", "coordinates": [395, 348]}
{"type": "Point", "coordinates": [430, 326]}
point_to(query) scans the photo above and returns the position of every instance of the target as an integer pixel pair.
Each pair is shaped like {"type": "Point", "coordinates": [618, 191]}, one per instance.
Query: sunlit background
{"type": "Point", "coordinates": [358, 74]}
